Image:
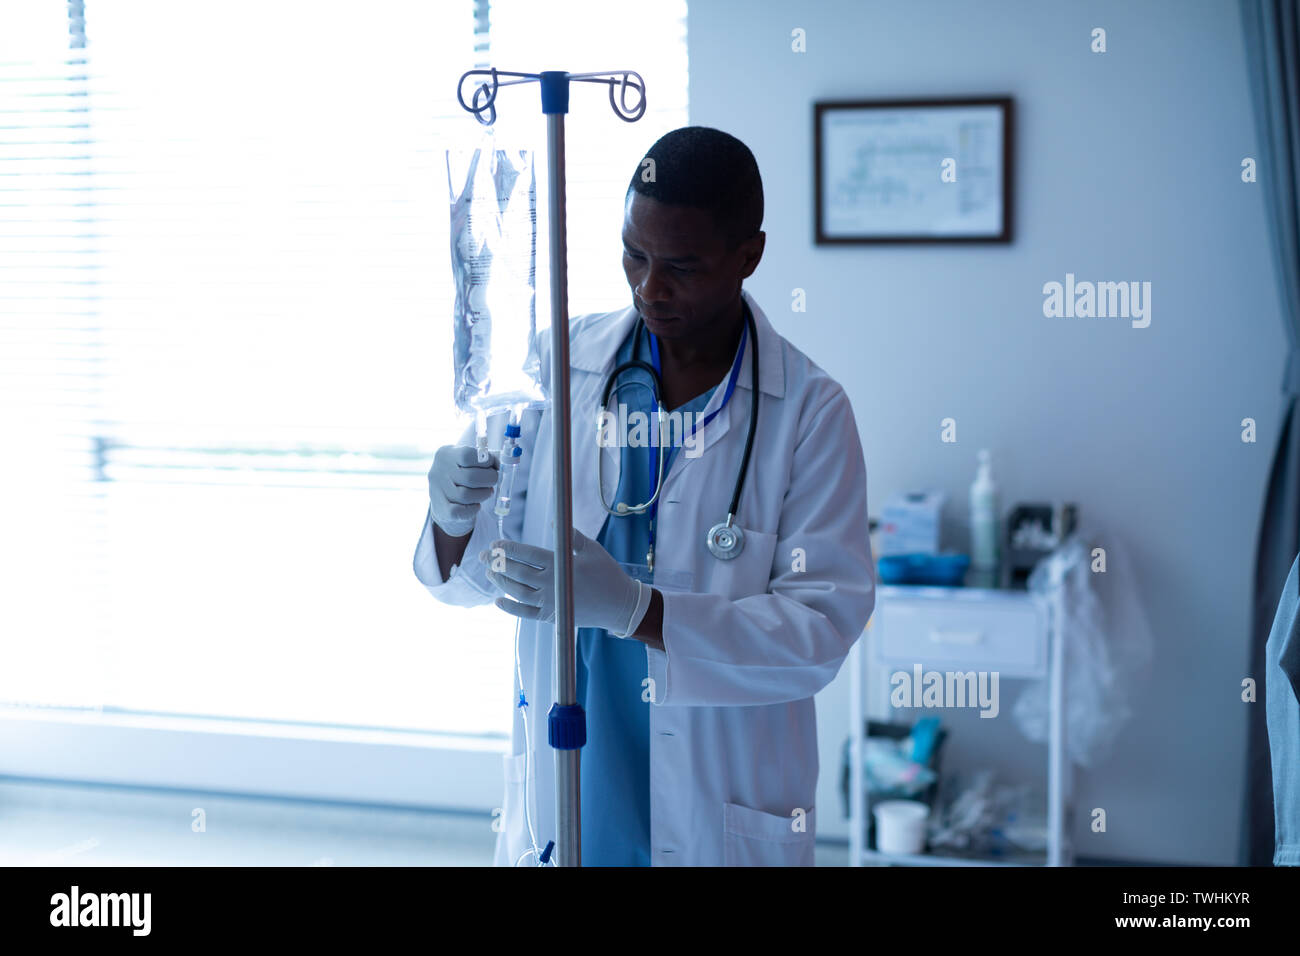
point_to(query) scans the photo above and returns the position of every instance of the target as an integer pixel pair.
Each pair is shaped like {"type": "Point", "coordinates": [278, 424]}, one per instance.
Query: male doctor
{"type": "Point", "coordinates": [697, 673]}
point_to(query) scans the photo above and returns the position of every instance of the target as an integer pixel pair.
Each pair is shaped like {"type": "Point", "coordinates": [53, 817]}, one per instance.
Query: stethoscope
{"type": "Point", "coordinates": [725, 540]}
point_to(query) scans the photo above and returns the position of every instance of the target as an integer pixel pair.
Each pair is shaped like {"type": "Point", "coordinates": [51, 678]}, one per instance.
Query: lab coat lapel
{"type": "Point", "coordinates": [591, 362]}
{"type": "Point", "coordinates": [588, 512]}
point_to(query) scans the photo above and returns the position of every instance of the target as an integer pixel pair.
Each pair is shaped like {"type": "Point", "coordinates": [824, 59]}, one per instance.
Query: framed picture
{"type": "Point", "coordinates": [912, 170]}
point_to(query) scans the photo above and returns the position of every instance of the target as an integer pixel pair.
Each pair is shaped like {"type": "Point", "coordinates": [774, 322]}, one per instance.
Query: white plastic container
{"type": "Point", "coordinates": [900, 826]}
{"type": "Point", "coordinates": [984, 516]}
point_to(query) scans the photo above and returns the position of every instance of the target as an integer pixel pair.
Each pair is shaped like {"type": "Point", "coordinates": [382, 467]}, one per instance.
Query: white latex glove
{"type": "Point", "coordinates": [458, 485]}
{"type": "Point", "coordinates": [604, 595]}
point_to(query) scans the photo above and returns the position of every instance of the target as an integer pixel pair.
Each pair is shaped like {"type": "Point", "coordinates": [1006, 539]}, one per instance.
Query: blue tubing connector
{"type": "Point", "coordinates": [555, 91]}
{"type": "Point", "coordinates": [566, 726]}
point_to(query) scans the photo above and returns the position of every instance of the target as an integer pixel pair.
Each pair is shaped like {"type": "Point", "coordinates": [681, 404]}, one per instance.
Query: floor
{"type": "Point", "coordinates": [47, 824]}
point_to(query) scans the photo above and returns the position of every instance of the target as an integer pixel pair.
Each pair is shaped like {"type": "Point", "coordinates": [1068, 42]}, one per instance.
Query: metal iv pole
{"type": "Point", "coordinates": [566, 722]}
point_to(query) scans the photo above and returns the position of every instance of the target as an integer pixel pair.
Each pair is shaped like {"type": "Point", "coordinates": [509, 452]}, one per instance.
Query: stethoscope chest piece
{"type": "Point", "coordinates": [725, 540]}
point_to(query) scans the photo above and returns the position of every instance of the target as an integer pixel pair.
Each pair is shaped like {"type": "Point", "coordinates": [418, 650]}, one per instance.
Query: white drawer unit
{"type": "Point", "coordinates": [979, 630]}
{"type": "Point", "coordinates": [1010, 633]}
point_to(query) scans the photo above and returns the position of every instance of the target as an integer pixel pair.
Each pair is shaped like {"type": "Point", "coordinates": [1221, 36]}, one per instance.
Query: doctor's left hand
{"type": "Point", "coordinates": [604, 595]}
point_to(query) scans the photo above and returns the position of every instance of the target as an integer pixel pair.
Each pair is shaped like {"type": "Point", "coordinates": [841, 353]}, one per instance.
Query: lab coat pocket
{"type": "Point", "coordinates": [750, 572]}
{"type": "Point", "coordinates": [754, 838]}
{"type": "Point", "coordinates": [513, 834]}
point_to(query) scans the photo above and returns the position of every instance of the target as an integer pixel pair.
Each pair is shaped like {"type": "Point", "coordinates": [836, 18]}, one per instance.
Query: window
{"type": "Point", "coordinates": [224, 358]}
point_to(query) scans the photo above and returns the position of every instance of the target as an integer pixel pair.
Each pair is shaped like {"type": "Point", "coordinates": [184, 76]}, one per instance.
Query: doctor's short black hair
{"type": "Point", "coordinates": [707, 169]}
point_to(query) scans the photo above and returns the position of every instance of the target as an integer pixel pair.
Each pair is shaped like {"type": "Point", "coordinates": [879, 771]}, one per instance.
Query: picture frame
{"type": "Point", "coordinates": [913, 170]}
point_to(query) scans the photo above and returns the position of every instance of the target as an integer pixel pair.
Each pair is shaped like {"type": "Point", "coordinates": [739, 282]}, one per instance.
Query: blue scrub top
{"type": "Point", "coordinates": [616, 758]}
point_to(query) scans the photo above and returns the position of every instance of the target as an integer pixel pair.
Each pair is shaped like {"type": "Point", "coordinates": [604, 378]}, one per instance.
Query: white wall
{"type": "Point", "coordinates": [1127, 168]}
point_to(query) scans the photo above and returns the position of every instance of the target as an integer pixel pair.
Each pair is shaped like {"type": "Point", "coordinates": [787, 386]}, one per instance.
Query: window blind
{"type": "Point", "coordinates": [224, 340]}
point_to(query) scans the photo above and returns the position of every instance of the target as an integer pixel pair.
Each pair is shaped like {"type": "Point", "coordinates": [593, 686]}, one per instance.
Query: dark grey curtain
{"type": "Point", "coordinates": [1273, 66]}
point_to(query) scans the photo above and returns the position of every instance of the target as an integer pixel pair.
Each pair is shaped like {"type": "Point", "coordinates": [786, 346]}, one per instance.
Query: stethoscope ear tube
{"type": "Point", "coordinates": [725, 540]}
{"type": "Point", "coordinates": [753, 418]}
{"type": "Point", "coordinates": [623, 508]}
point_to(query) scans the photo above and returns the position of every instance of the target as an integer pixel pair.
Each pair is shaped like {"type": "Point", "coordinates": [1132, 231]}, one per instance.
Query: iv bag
{"type": "Point", "coordinates": [494, 270]}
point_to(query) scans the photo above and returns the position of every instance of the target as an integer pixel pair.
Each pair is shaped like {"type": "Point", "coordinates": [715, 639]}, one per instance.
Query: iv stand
{"type": "Point", "coordinates": [566, 722]}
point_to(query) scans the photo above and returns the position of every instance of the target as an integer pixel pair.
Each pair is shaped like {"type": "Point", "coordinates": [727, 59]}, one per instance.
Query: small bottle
{"type": "Point", "coordinates": [984, 517]}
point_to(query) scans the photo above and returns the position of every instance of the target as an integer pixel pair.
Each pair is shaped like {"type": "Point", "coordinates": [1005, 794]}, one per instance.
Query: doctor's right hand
{"type": "Point", "coordinates": [458, 485]}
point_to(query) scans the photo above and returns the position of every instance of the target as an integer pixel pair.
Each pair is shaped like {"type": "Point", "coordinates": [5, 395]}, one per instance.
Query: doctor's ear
{"type": "Point", "coordinates": [751, 253]}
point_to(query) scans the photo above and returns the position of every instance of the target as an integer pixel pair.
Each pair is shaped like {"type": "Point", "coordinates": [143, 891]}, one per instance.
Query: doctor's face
{"type": "Point", "coordinates": [683, 275]}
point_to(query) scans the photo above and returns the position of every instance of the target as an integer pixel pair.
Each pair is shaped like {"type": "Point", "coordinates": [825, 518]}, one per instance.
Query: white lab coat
{"type": "Point", "coordinates": [733, 728]}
